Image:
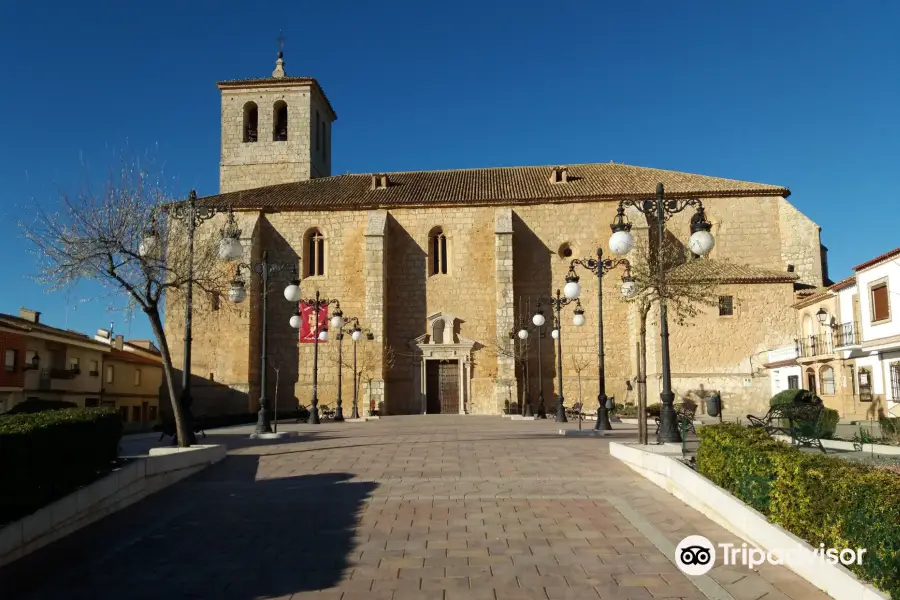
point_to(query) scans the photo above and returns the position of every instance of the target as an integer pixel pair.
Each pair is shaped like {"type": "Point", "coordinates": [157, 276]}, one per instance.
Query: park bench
{"type": "Point", "coordinates": [802, 421]}
{"type": "Point", "coordinates": [685, 412]}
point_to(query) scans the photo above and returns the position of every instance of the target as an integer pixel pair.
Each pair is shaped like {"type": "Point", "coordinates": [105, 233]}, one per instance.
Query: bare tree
{"type": "Point", "coordinates": [685, 287]}
{"type": "Point", "coordinates": [579, 363]}
{"type": "Point", "coordinates": [517, 350]}
{"type": "Point", "coordinates": [369, 359]}
{"type": "Point", "coordinates": [96, 235]}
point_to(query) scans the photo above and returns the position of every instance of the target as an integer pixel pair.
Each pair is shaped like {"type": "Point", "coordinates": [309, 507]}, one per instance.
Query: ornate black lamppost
{"type": "Point", "coordinates": [557, 304]}
{"type": "Point", "coordinates": [236, 294]}
{"type": "Point", "coordinates": [337, 321]}
{"type": "Point", "coordinates": [538, 321]}
{"type": "Point", "coordinates": [356, 334]}
{"type": "Point", "coordinates": [701, 243]}
{"type": "Point", "coordinates": [599, 267]}
{"type": "Point", "coordinates": [192, 215]}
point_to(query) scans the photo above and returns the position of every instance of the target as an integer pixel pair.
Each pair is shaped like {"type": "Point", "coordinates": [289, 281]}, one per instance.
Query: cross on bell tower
{"type": "Point", "coordinates": [278, 73]}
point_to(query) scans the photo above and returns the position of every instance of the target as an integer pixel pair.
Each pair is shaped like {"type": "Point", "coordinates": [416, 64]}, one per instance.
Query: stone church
{"type": "Point", "coordinates": [440, 266]}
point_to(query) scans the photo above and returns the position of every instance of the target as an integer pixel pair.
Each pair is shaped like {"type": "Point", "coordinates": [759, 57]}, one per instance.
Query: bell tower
{"type": "Point", "coordinates": [274, 130]}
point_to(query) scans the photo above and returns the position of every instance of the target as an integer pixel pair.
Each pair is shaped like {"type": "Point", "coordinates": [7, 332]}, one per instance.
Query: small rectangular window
{"type": "Point", "coordinates": [123, 413]}
{"type": "Point", "coordinates": [793, 382]}
{"type": "Point", "coordinates": [726, 306]}
{"type": "Point", "coordinates": [74, 364]}
{"type": "Point", "coordinates": [91, 402]}
{"type": "Point", "coordinates": [95, 368]}
{"type": "Point", "coordinates": [136, 414]}
{"type": "Point", "coordinates": [443, 255]}
{"type": "Point", "coordinates": [10, 359]}
{"type": "Point", "coordinates": [880, 305]}
{"type": "Point", "coordinates": [109, 373]}
{"type": "Point", "coordinates": [137, 377]}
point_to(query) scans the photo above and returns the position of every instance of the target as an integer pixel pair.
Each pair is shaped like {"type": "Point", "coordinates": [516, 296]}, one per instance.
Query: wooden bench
{"type": "Point", "coordinates": [684, 412]}
{"type": "Point", "coordinates": [802, 421]}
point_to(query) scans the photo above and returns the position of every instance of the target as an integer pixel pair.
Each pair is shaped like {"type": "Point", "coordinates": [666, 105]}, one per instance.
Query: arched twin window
{"type": "Point", "coordinates": [438, 251]}
{"type": "Point", "coordinates": [251, 122]}
{"type": "Point", "coordinates": [314, 261]}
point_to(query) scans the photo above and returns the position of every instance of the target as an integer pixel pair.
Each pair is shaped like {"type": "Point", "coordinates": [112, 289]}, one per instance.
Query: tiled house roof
{"type": "Point", "coordinates": [494, 186]}
{"type": "Point", "coordinates": [726, 272]}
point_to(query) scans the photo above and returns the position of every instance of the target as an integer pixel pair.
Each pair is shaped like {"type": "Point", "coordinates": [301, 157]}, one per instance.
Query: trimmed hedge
{"type": "Point", "coordinates": [36, 406]}
{"type": "Point", "coordinates": [820, 498]}
{"type": "Point", "coordinates": [46, 455]}
{"type": "Point", "coordinates": [788, 396]}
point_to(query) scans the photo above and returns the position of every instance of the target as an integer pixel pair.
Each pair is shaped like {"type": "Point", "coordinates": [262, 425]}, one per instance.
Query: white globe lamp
{"type": "Point", "coordinates": [555, 334]}
{"type": "Point", "coordinates": [356, 335]}
{"type": "Point", "coordinates": [578, 319]}
{"type": "Point", "coordinates": [572, 290]}
{"type": "Point", "coordinates": [621, 242]}
{"type": "Point", "coordinates": [292, 292]}
{"type": "Point", "coordinates": [323, 335]}
{"type": "Point", "coordinates": [701, 242]}
{"type": "Point", "coordinates": [538, 319]}
{"type": "Point", "coordinates": [296, 321]}
{"type": "Point", "coordinates": [523, 334]}
{"type": "Point", "coordinates": [628, 287]}
{"type": "Point", "coordinates": [230, 248]}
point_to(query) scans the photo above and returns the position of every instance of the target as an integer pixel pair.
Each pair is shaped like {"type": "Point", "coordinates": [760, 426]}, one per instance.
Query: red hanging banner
{"type": "Point", "coordinates": [308, 322]}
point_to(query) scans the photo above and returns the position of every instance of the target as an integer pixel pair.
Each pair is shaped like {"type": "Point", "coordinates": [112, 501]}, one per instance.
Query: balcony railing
{"type": "Point", "coordinates": [64, 373]}
{"type": "Point", "coordinates": [815, 345]}
{"type": "Point", "coordinates": [846, 334]}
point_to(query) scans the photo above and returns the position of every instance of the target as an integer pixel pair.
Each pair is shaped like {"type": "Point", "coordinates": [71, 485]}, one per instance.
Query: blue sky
{"type": "Point", "coordinates": [803, 94]}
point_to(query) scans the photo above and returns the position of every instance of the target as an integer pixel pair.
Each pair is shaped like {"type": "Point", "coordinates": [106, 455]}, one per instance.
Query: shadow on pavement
{"type": "Point", "coordinates": [219, 534]}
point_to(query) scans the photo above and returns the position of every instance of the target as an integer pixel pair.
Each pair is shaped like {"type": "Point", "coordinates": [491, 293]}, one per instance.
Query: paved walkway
{"type": "Point", "coordinates": [407, 507]}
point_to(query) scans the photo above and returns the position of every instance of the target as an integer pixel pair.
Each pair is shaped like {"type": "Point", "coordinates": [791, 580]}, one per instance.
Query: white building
{"type": "Point", "coordinates": [784, 372]}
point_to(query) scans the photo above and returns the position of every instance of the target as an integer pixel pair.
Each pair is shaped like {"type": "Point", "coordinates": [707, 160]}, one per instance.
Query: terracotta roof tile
{"type": "Point", "coordinates": [501, 185]}
{"type": "Point", "coordinates": [843, 283]}
{"type": "Point", "coordinates": [726, 272]}
{"type": "Point", "coordinates": [877, 259]}
{"type": "Point", "coordinates": [131, 357]}
{"type": "Point", "coordinates": [27, 325]}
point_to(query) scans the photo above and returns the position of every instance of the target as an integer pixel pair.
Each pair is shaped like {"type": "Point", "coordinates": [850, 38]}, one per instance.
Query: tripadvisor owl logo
{"type": "Point", "coordinates": [695, 555]}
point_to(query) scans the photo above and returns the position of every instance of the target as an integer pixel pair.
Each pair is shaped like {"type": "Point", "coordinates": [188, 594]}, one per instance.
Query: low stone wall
{"type": "Point", "coordinates": [134, 481]}
{"type": "Point", "coordinates": [657, 464]}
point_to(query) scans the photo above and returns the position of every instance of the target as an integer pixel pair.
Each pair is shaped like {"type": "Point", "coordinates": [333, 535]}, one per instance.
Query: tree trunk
{"type": "Point", "coordinates": [642, 381]}
{"type": "Point", "coordinates": [183, 428]}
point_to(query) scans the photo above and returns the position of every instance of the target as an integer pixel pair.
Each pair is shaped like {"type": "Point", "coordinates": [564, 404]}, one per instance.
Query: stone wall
{"type": "Point", "coordinates": [726, 353]}
{"type": "Point", "coordinates": [377, 267]}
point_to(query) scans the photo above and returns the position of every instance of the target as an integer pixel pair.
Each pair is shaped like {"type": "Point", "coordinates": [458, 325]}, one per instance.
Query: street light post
{"type": "Point", "coordinates": [701, 242]}
{"type": "Point", "coordinates": [192, 215]}
{"type": "Point", "coordinates": [356, 334]}
{"type": "Point", "coordinates": [557, 303]}
{"type": "Point", "coordinates": [599, 267]}
{"type": "Point", "coordinates": [337, 321]}
{"type": "Point", "coordinates": [538, 321]}
{"type": "Point", "coordinates": [264, 269]}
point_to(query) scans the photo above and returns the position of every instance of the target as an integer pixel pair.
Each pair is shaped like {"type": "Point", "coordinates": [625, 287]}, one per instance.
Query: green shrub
{"type": "Point", "coordinates": [788, 396]}
{"type": "Point", "coordinates": [828, 424]}
{"type": "Point", "coordinates": [654, 409]}
{"type": "Point", "coordinates": [50, 454]}
{"type": "Point", "coordinates": [36, 406]}
{"type": "Point", "coordinates": [820, 498]}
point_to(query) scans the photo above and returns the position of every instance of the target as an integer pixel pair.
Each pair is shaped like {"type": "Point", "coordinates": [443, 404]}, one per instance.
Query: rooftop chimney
{"type": "Point", "coordinates": [30, 315]}
{"type": "Point", "coordinates": [559, 175]}
{"type": "Point", "coordinates": [118, 341]}
{"type": "Point", "coordinates": [380, 181]}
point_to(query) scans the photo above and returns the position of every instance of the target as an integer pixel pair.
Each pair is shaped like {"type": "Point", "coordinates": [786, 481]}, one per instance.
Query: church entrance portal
{"type": "Point", "coordinates": [442, 386]}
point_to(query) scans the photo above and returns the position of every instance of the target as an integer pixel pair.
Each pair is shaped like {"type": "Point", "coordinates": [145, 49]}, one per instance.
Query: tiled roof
{"type": "Point", "coordinates": [843, 283]}
{"type": "Point", "coordinates": [131, 357]}
{"type": "Point", "coordinates": [275, 82]}
{"type": "Point", "coordinates": [726, 272]}
{"type": "Point", "coordinates": [789, 362]}
{"type": "Point", "coordinates": [501, 185]}
{"type": "Point", "coordinates": [27, 325]}
{"type": "Point", "coordinates": [877, 259]}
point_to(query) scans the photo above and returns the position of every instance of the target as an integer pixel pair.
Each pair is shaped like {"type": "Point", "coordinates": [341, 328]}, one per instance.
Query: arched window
{"type": "Point", "coordinates": [811, 380]}
{"type": "Point", "coordinates": [438, 249]}
{"type": "Point", "coordinates": [826, 381]}
{"type": "Point", "coordinates": [280, 122]}
{"type": "Point", "coordinates": [251, 122]}
{"type": "Point", "coordinates": [437, 333]}
{"type": "Point", "coordinates": [315, 253]}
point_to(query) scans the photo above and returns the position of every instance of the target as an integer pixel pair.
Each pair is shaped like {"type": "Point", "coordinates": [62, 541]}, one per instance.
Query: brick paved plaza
{"type": "Point", "coordinates": [407, 507]}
